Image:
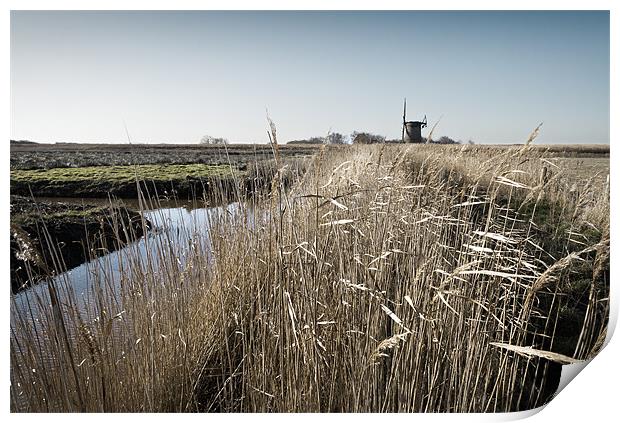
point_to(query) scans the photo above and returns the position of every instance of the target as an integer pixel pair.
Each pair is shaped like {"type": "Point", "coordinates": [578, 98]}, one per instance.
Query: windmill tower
{"type": "Point", "coordinates": [412, 130]}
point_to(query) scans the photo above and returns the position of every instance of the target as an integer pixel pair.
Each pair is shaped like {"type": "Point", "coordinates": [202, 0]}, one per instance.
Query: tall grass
{"type": "Point", "coordinates": [386, 278]}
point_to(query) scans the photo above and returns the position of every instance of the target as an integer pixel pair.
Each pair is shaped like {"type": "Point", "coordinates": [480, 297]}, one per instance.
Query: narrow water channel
{"type": "Point", "coordinates": [177, 227]}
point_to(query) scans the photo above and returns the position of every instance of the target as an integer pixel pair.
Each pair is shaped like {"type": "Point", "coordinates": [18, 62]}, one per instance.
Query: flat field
{"type": "Point", "coordinates": [378, 278]}
{"type": "Point", "coordinates": [45, 156]}
{"type": "Point", "coordinates": [96, 170]}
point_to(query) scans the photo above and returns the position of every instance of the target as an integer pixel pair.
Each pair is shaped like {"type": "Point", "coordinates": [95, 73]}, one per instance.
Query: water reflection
{"type": "Point", "coordinates": [176, 231]}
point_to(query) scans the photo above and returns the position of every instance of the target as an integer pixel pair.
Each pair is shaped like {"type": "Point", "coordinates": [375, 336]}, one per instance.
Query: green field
{"type": "Point", "coordinates": [156, 172]}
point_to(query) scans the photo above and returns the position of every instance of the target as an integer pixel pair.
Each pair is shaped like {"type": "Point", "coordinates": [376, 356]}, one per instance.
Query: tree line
{"type": "Point", "coordinates": [336, 138]}
{"type": "Point", "coordinates": [369, 138]}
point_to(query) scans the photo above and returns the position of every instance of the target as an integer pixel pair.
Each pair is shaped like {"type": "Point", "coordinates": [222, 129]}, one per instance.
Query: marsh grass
{"type": "Point", "coordinates": [381, 279]}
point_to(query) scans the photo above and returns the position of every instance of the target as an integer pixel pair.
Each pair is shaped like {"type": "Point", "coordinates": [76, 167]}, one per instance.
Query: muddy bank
{"type": "Point", "coordinates": [50, 237]}
{"type": "Point", "coordinates": [181, 189]}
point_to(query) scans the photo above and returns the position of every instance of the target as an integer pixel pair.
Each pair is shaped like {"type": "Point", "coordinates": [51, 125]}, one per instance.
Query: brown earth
{"type": "Point", "coordinates": [50, 237]}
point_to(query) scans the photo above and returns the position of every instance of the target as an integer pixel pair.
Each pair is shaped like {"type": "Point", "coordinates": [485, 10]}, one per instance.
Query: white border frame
{"type": "Point", "coordinates": [592, 396]}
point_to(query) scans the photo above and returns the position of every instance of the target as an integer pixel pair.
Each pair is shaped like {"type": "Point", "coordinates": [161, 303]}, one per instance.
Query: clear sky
{"type": "Point", "coordinates": [176, 76]}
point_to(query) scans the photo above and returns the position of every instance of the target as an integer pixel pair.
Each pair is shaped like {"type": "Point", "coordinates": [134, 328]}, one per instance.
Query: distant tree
{"type": "Point", "coordinates": [209, 140]}
{"type": "Point", "coordinates": [313, 140]}
{"type": "Point", "coordinates": [360, 138]}
{"type": "Point", "coordinates": [335, 138]}
{"type": "Point", "coordinates": [316, 140]}
{"type": "Point", "coordinates": [445, 140]}
{"type": "Point", "coordinates": [332, 138]}
{"type": "Point", "coordinates": [470, 142]}
{"type": "Point", "coordinates": [366, 138]}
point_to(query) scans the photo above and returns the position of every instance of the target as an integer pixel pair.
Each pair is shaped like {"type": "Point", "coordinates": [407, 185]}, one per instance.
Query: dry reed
{"type": "Point", "coordinates": [387, 278]}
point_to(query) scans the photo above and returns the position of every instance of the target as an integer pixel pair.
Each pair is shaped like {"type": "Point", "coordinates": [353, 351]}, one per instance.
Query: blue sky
{"type": "Point", "coordinates": [176, 76]}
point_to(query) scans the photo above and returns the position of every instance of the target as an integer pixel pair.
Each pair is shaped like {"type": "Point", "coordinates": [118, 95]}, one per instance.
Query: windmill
{"type": "Point", "coordinates": [412, 130]}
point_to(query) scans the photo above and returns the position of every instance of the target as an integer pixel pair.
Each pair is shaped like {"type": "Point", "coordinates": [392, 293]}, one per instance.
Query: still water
{"type": "Point", "coordinates": [178, 228]}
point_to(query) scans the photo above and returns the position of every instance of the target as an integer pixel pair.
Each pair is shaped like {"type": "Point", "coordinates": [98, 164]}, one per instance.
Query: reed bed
{"type": "Point", "coordinates": [384, 279]}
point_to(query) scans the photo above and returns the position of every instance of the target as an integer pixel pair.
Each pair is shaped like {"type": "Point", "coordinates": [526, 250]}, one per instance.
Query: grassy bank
{"type": "Point", "coordinates": [216, 183]}
{"type": "Point", "coordinates": [121, 174]}
{"type": "Point", "coordinates": [122, 181]}
{"type": "Point", "coordinates": [388, 278]}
